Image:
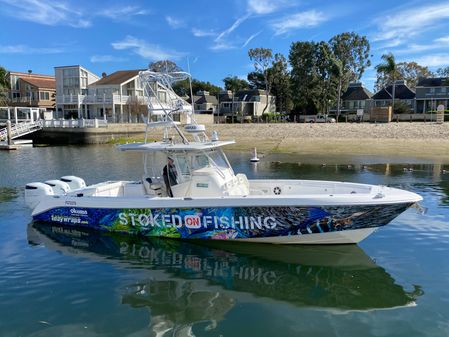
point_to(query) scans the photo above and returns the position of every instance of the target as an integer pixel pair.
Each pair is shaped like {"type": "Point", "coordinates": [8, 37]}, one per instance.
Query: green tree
{"type": "Point", "coordinates": [351, 52]}
{"type": "Point", "coordinates": [234, 84]}
{"type": "Point", "coordinates": [304, 77]}
{"type": "Point", "coordinates": [4, 87]}
{"type": "Point", "coordinates": [408, 71]}
{"type": "Point", "coordinates": [262, 58]}
{"type": "Point", "coordinates": [256, 80]}
{"type": "Point", "coordinates": [443, 72]}
{"type": "Point", "coordinates": [328, 70]}
{"type": "Point", "coordinates": [164, 66]}
{"type": "Point", "coordinates": [390, 68]}
{"type": "Point", "coordinates": [182, 88]}
{"type": "Point", "coordinates": [280, 78]}
{"type": "Point", "coordinates": [402, 108]}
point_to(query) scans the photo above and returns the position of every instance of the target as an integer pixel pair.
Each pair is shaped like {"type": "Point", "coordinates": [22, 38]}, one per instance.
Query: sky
{"type": "Point", "coordinates": [212, 38]}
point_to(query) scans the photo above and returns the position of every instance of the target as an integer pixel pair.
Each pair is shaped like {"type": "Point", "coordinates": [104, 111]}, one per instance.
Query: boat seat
{"type": "Point", "coordinates": [152, 187]}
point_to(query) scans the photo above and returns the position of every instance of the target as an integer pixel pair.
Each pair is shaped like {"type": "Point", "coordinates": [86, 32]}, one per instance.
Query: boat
{"type": "Point", "coordinates": [189, 190]}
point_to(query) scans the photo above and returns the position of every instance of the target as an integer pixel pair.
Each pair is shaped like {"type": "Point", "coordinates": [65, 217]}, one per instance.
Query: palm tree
{"type": "Point", "coordinates": [390, 68]}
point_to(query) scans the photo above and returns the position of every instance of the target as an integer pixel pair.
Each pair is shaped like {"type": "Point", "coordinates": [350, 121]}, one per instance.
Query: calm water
{"type": "Point", "coordinates": [58, 282]}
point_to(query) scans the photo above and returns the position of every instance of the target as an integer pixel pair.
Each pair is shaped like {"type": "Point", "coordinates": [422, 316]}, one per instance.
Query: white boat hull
{"type": "Point", "coordinates": [341, 237]}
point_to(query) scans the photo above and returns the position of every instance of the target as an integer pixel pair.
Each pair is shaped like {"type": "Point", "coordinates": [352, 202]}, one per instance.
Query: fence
{"type": "Point", "coordinates": [75, 123]}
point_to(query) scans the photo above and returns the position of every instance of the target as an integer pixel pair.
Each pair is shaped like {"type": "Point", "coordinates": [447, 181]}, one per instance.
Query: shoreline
{"type": "Point", "coordinates": [410, 140]}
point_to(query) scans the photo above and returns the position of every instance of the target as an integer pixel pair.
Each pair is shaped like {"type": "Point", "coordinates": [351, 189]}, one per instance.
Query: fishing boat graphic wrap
{"type": "Point", "coordinates": [227, 222]}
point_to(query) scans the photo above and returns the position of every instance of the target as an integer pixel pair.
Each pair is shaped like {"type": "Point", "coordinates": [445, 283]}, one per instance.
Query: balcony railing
{"type": "Point", "coordinates": [101, 99]}
{"type": "Point", "coordinates": [75, 123]}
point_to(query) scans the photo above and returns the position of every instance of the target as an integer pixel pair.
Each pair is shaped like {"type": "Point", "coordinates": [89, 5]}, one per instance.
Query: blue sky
{"type": "Point", "coordinates": [105, 36]}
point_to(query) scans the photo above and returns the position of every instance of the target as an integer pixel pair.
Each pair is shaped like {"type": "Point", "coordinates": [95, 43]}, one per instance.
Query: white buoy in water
{"type": "Point", "coordinates": [254, 159]}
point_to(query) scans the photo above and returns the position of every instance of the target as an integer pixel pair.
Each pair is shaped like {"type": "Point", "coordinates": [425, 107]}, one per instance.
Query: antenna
{"type": "Point", "coordinates": [190, 84]}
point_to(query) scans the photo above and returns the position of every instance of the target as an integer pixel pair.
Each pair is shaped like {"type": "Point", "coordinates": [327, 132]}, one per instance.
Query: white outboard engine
{"type": "Point", "coordinates": [74, 182]}
{"type": "Point", "coordinates": [35, 191]}
{"type": "Point", "coordinates": [59, 187]}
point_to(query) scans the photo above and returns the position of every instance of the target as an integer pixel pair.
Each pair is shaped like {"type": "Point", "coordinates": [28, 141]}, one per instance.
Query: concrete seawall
{"type": "Point", "coordinates": [65, 136]}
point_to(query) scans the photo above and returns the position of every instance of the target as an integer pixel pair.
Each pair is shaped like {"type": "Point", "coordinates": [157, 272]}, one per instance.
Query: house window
{"type": "Point", "coordinates": [44, 95]}
{"type": "Point", "coordinates": [432, 90]}
{"type": "Point", "coordinates": [443, 90]}
{"type": "Point", "coordinates": [71, 72]}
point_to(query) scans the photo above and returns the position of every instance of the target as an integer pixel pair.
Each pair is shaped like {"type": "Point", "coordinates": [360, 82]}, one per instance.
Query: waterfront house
{"type": "Point", "coordinates": [31, 90]}
{"type": "Point", "coordinates": [246, 103]}
{"type": "Point", "coordinates": [71, 89]}
{"type": "Point", "coordinates": [204, 103]}
{"type": "Point", "coordinates": [356, 98]}
{"type": "Point", "coordinates": [431, 92]}
{"type": "Point", "coordinates": [384, 97]}
{"type": "Point", "coordinates": [118, 96]}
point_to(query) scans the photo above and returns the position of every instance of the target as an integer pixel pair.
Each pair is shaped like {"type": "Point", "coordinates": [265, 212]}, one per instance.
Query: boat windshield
{"type": "Point", "coordinates": [211, 158]}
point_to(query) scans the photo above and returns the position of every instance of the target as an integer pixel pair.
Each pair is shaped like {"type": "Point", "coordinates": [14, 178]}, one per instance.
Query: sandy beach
{"type": "Point", "coordinates": [414, 140]}
{"type": "Point", "coordinates": [421, 140]}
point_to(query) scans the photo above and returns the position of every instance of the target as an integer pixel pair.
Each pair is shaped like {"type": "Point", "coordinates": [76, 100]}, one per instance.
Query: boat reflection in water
{"type": "Point", "coordinates": [190, 283]}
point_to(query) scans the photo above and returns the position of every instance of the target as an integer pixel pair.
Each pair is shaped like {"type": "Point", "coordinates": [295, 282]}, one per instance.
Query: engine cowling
{"type": "Point", "coordinates": [58, 186]}
{"type": "Point", "coordinates": [74, 182]}
{"type": "Point", "coordinates": [34, 193]}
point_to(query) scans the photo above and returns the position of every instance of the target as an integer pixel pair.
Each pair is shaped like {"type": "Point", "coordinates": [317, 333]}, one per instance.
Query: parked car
{"type": "Point", "coordinates": [320, 118]}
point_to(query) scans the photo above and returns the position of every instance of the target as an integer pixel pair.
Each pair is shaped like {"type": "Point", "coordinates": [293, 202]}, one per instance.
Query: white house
{"type": "Point", "coordinates": [71, 88]}
{"type": "Point", "coordinates": [118, 97]}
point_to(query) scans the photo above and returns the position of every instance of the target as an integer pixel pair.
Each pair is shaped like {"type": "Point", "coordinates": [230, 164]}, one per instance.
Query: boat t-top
{"type": "Point", "coordinates": [189, 190]}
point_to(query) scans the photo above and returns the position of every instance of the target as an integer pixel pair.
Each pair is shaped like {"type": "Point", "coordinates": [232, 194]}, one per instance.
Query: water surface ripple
{"type": "Point", "coordinates": [66, 282]}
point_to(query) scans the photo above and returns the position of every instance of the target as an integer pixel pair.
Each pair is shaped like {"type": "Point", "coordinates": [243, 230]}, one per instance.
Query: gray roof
{"type": "Point", "coordinates": [401, 91]}
{"type": "Point", "coordinates": [201, 99]}
{"type": "Point", "coordinates": [433, 82]}
{"type": "Point", "coordinates": [356, 92]}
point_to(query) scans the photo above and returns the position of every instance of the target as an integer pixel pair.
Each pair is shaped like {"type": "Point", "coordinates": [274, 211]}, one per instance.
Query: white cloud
{"type": "Point", "coordinates": [26, 50]}
{"type": "Point", "coordinates": [146, 50]}
{"type": "Point", "coordinates": [122, 13]}
{"type": "Point", "coordinates": [436, 60]}
{"type": "Point", "coordinates": [203, 33]}
{"type": "Point", "coordinates": [233, 27]}
{"type": "Point", "coordinates": [443, 39]}
{"type": "Point", "coordinates": [220, 42]}
{"type": "Point", "coordinates": [44, 12]}
{"type": "Point", "coordinates": [440, 44]}
{"type": "Point", "coordinates": [106, 58]}
{"type": "Point", "coordinates": [174, 22]}
{"type": "Point", "coordinates": [410, 22]}
{"type": "Point", "coordinates": [266, 6]}
{"type": "Point", "coordinates": [248, 40]}
{"type": "Point", "coordinates": [299, 20]}
{"type": "Point", "coordinates": [389, 44]}
{"type": "Point", "coordinates": [220, 46]}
